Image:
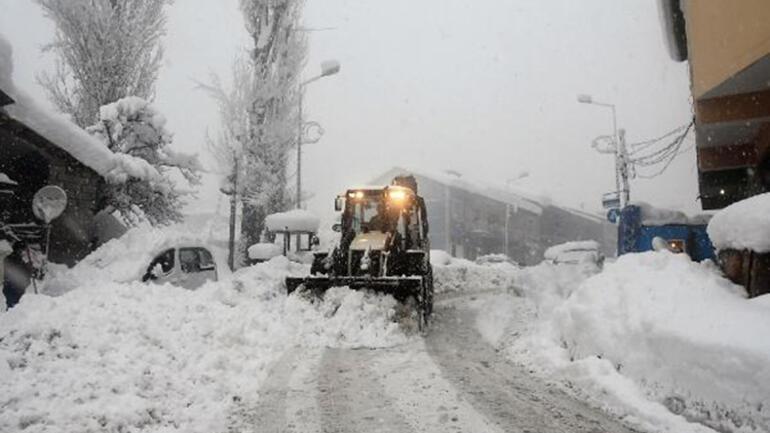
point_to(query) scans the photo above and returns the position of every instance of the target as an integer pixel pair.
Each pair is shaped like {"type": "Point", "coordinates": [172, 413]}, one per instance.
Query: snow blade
{"type": "Point", "coordinates": [400, 287]}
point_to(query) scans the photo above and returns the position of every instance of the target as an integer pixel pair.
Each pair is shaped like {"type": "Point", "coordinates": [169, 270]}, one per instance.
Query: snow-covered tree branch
{"type": "Point", "coordinates": [132, 127]}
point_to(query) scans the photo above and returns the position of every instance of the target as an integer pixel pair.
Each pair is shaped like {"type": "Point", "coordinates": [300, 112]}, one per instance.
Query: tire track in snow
{"type": "Point", "coordinates": [505, 393]}
{"type": "Point", "coordinates": [286, 400]}
{"type": "Point", "coordinates": [428, 402]}
{"type": "Point", "coordinates": [350, 396]}
{"type": "Point", "coordinates": [302, 411]}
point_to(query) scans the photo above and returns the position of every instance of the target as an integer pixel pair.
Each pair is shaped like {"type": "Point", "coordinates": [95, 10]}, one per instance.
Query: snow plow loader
{"type": "Point", "coordinates": [383, 247]}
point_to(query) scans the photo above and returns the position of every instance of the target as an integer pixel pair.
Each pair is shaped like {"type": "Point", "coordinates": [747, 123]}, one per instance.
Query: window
{"type": "Point", "coordinates": [165, 262]}
{"type": "Point", "coordinates": [193, 260]}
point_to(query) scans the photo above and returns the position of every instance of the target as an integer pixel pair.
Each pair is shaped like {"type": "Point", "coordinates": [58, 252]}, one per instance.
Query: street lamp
{"type": "Point", "coordinates": [328, 67]}
{"type": "Point", "coordinates": [619, 149]}
{"type": "Point", "coordinates": [508, 183]}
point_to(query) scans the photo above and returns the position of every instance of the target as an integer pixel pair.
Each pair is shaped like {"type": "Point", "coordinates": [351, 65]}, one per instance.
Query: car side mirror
{"type": "Point", "coordinates": [314, 241]}
{"type": "Point", "coordinates": [339, 203]}
{"type": "Point", "coordinates": [337, 227]}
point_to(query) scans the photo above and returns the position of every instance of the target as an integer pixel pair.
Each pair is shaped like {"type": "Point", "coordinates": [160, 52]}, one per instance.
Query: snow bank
{"type": "Point", "coordinates": [743, 225]}
{"type": "Point", "coordinates": [460, 275]}
{"type": "Point", "coordinates": [653, 337]}
{"type": "Point", "coordinates": [120, 260]}
{"type": "Point", "coordinates": [555, 251]}
{"type": "Point", "coordinates": [111, 356]}
{"type": "Point", "coordinates": [264, 251]}
{"type": "Point", "coordinates": [135, 357]}
{"type": "Point", "coordinates": [294, 220]}
{"type": "Point", "coordinates": [345, 318]}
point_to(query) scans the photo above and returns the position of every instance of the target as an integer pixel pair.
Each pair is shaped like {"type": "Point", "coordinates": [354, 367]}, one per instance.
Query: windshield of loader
{"type": "Point", "coordinates": [368, 213]}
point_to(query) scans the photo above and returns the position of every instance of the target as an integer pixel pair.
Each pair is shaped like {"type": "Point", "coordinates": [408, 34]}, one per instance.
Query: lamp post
{"type": "Point", "coordinates": [619, 149]}
{"type": "Point", "coordinates": [328, 67]}
{"type": "Point", "coordinates": [508, 183]}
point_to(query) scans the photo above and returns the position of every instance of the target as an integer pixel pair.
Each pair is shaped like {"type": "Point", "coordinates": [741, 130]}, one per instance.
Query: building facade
{"type": "Point", "coordinates": [32, 160]}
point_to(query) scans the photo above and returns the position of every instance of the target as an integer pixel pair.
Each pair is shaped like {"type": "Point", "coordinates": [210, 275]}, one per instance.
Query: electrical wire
{"type": "Point", "coordinates": [665, 155]}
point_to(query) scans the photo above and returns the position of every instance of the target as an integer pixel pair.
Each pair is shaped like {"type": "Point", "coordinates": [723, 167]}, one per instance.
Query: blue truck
{"type": "Point", "coordinates": [640, 224]}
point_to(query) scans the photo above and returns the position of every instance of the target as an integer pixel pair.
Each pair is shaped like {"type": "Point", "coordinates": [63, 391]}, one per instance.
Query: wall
{"type": "Point", "coordinates": [724, 37]}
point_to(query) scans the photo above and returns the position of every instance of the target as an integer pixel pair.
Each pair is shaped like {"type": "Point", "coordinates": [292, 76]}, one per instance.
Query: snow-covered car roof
{"type": "Point", "coordinates": [555, 251]}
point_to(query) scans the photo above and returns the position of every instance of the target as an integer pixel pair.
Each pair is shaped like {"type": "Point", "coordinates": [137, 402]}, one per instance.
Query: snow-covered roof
{"type": "Point", "coordinates": [62, 133]}
{"type": "Point", "coordinates": [655, 216]}
{"type": "Point", "coordinates": [480, 188]}
{"type": "Point", "coordinates": [294, 220]}
{"type": "Point", "coordinates": [66, 135]}
{"type": "Point", "coordinates": [743, 225]}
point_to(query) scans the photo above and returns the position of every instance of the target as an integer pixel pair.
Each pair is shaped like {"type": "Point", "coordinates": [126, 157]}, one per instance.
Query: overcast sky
{"type": "Point", "coordinates": [486, 88]}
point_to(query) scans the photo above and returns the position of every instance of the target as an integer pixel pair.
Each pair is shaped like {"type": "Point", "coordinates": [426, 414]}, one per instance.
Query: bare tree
{"type": "Point", "coordinates": [105, 50]}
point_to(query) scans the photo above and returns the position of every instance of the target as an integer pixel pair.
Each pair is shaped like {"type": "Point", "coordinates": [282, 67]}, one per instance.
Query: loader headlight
{"type": "Point", "coordinates": [356, 194]}
{"type": "Point", "coordinates": [397, 195]}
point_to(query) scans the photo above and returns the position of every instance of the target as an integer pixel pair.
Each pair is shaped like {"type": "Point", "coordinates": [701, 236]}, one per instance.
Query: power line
{"type": "Point", "coordinates": [665, 155]}
{"type": "Point", "coordinates": [643, 145]}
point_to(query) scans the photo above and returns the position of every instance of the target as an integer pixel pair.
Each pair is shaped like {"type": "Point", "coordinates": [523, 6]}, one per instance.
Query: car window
{"type": "Point", "coordinates": [166, 262]}
{"type": "Point", "coordinates": [195, 260]}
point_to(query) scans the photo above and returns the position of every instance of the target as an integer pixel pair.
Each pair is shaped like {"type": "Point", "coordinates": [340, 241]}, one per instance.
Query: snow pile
{"type": "Point", "coordinates": [345, 318]}
{"type": "Point", "coordinates": [555, 251]}
{"type": "Point", "coordinates": [460, 275]}
{"type": "Point", "coordinates": [548, 285]}
{"type": "Point", "coordinates": [125, 259]}
{"type": "Point", "coordinates": [135, 357]}
{"type": "Point", "coordinates": [111, 356]}
{"type": "Point", "coordinates": [264, 251]}
{"type": "Point", "coordinates": [654, 336]}
{"type": "Point", "coordinates": [293, 220]}
{"type": "Point", "coordinates": [743, 225]}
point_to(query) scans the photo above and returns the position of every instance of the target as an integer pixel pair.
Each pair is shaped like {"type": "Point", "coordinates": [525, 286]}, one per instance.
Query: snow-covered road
{"type": "Point", "coordinates": [451, 380]}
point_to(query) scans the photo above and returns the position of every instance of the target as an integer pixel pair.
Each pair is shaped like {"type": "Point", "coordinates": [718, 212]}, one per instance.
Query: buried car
{"type": "Point", "coordinates": [188, 266]}
{"type": "Point", "coordinates": [574, 253]}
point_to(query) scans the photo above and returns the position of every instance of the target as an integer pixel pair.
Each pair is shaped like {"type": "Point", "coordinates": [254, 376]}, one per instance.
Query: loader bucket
{"type": "Point", "coordinates": [400, 287]}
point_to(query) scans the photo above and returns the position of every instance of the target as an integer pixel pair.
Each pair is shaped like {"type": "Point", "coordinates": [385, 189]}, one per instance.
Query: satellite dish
{"type": "Point", "coordinates": [49, 202]}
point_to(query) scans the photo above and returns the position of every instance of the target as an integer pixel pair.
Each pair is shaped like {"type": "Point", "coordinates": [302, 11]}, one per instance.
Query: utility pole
{"type": "Point", "coordinates": [621, 164]}
{"type": "Point", "coordinates": [300, 137]}
{"type": "Point", "coordinates": [618, 148]}
{"type": "Point", "coordinates": [328, 67]}
{"type": "Point", "coordinates": [233, 209]}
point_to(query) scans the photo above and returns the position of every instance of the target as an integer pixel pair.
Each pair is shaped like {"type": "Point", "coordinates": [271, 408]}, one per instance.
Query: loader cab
{"type": "Point", "coordinates": [393, 209]}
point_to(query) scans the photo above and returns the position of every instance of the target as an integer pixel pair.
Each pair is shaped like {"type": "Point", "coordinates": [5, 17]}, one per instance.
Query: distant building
{"type": "Point", "coordinates": [469, 219]}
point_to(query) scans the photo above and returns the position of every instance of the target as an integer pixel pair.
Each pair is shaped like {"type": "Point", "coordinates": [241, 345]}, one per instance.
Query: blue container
{"type": "Point", "coordinates": [635, 237]}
